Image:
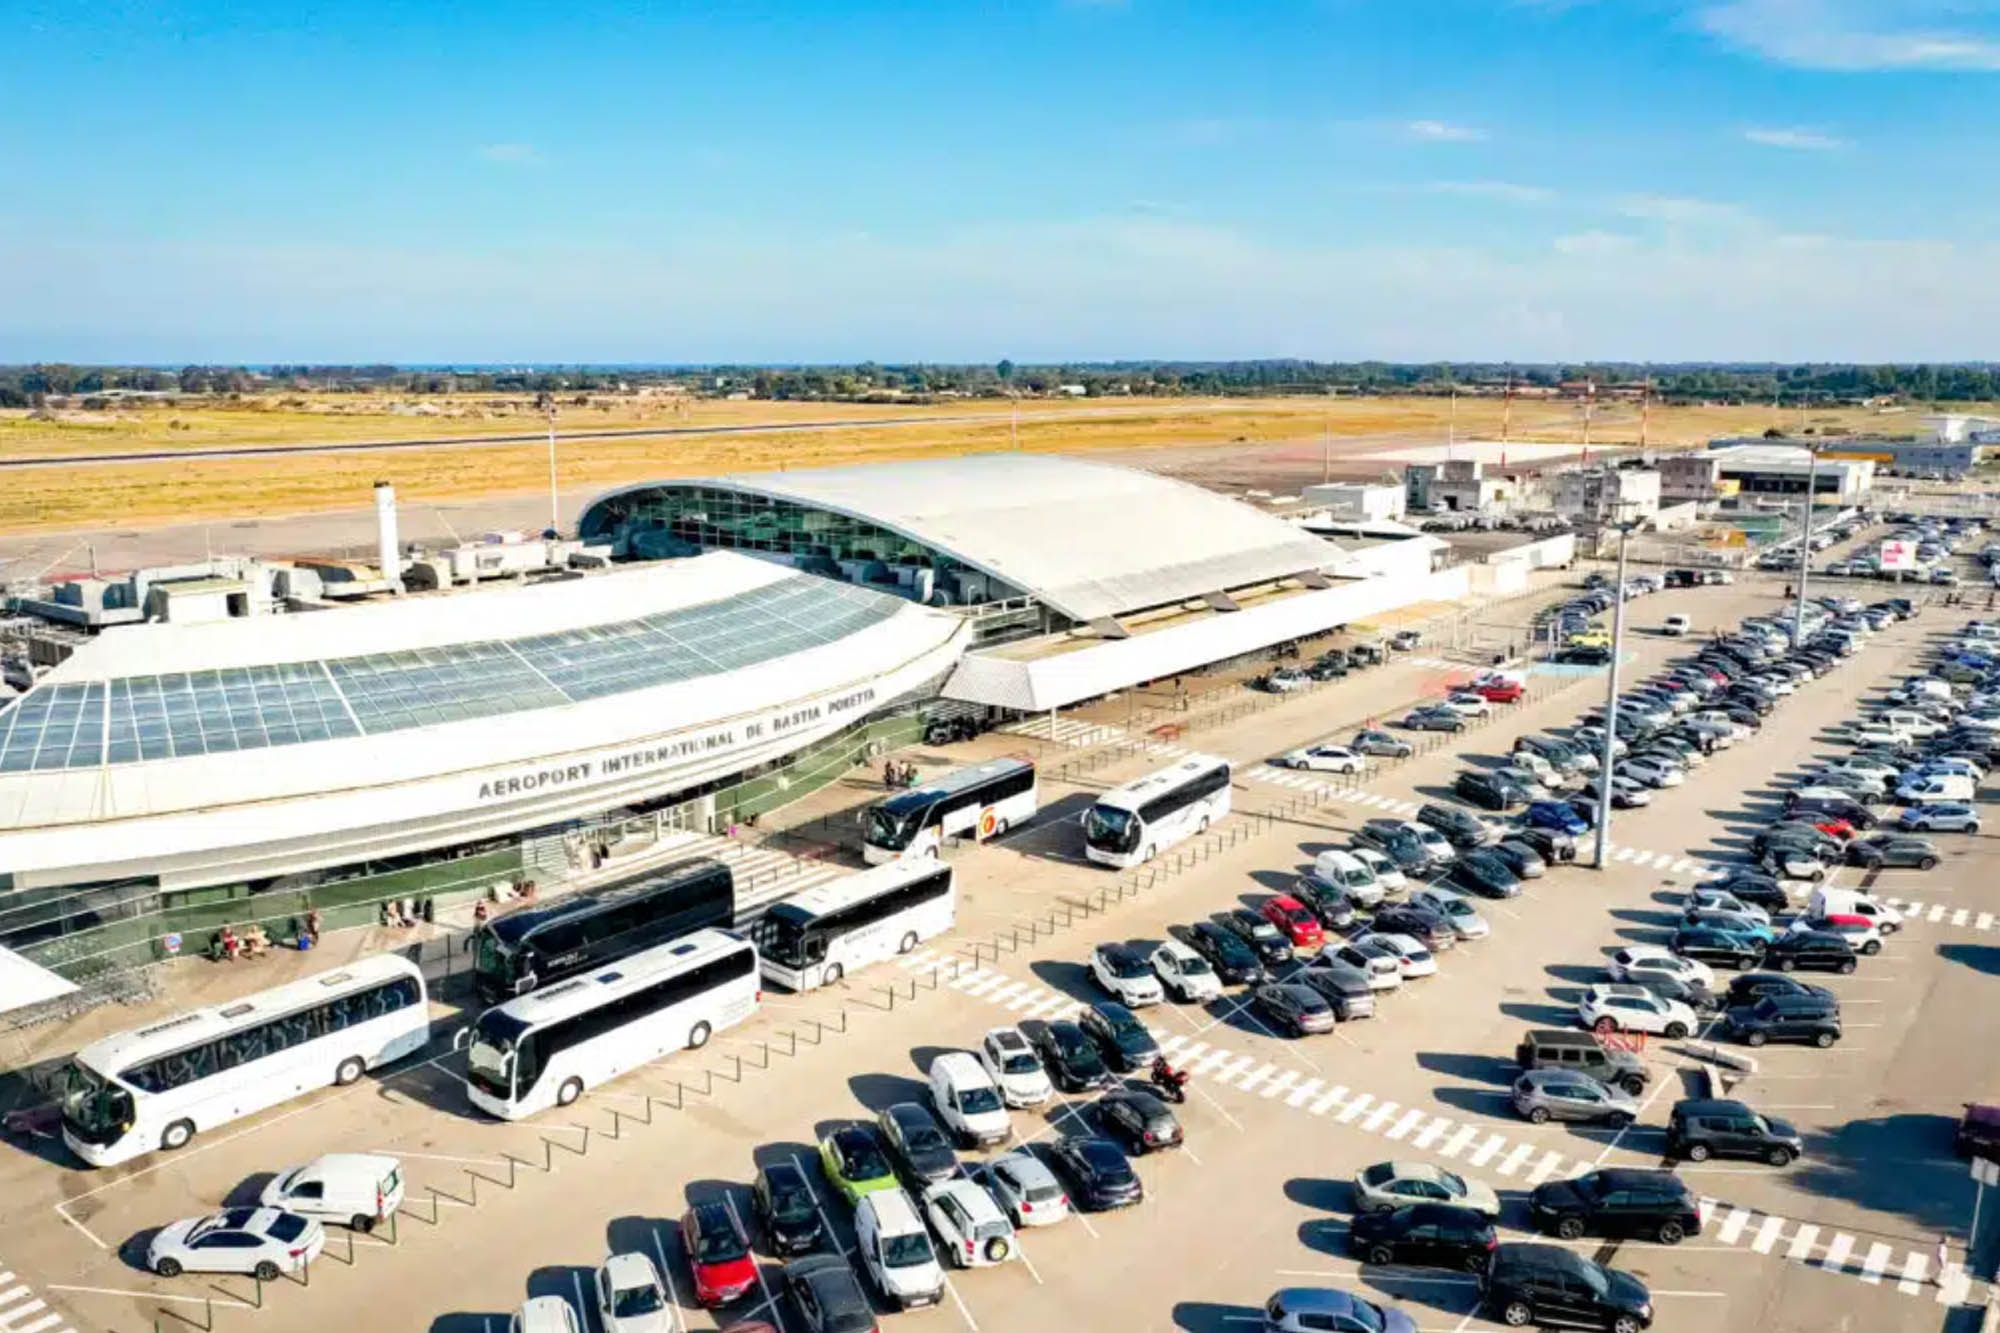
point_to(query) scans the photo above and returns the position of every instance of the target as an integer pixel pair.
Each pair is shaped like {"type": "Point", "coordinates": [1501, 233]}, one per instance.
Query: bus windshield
{"type": "Point", "coordinates": [493, 959]}
{"type": "Point", "coordinates": [786, 943]}
{"type": "Point", "coordinates": [95, 1109]}
{"type": "Point", "coordinates": [489, 1062]}
{"type": "Point", "coordinates": [893, 830]}
{"type": "Point", "coordinates": [1110, 829]}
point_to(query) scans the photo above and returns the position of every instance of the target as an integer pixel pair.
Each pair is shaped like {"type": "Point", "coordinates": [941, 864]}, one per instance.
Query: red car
{"type": "Point", "coordinates": [1289, 915]}
{"type": "Point", "coordinates": [718, 1253]}
{"type": "Point", "coordinates": [1500, 691]}
{"type": "Point", "coordinates": [1835, 827]}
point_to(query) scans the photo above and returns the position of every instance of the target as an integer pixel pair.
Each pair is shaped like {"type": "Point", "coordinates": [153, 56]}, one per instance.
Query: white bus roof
{"type": "Point", "coordinates": [124, 1049]}
{"type": "Point", "coordinates": [1136, 793]}
{"type": "Point", "coordinates": [579, 994]}
{"type": "Point", "coordinates": [850, 889]}
{"type": "Point", "coordinates": [959, 780]}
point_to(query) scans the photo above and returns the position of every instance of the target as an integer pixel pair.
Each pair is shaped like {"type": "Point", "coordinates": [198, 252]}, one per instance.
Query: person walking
{"type": "Point", "coordinates": [1943, 1258]}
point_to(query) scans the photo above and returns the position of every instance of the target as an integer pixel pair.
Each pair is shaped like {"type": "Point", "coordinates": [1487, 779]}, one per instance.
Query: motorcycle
{"type": "Point", "coordinates": [1171, 1082]}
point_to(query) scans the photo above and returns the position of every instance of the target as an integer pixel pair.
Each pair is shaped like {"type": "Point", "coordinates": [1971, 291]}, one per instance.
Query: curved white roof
{"type": "Point", "coordinates": [1090, 539]}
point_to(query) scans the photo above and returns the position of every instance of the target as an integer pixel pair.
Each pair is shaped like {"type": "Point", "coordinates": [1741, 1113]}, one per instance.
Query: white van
{"type": "Point", "coordinates": [1352, 875]}
{"type": "Point", "coordinates": [1826, 902]}
{"type": "Point", "coordinates": [1676, 625]}
{"type": "Point", "coordinates": [1936, 787]}
{"type": "Point", "coordinates": [355, 1189]}
{"type": "Point", "coordinates": [896, 1249]}
{"type": "Point", "coordinates": [967, 1100]}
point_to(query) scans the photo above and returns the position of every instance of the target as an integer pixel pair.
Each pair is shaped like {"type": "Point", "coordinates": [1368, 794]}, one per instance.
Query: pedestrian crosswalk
{"type": "Point", "coordinates": [1917, 912]}
{"type": "Point", "coordinates": [1073, 732]}
{"type": "Point", "coordinates": [21, 1311]}
{"type": "Point", "coordinates": [1524, 1162]}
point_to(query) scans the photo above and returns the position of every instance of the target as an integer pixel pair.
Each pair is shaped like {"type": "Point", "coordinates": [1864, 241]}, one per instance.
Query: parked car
{"type": "Point", "coordinates": [1141, 1122]}
{"type": "Point", "coordinates": [1304, 1309]}
{"type": "Point", "coordinates": [1636, 961]}
{"type": "Point", "coordinates": [1568, 1051]}
{"type": "Point", "coordinates": [855, 1164]}
{"type": "Point", "coordinates": [1434, 719]}
{"type": "Point", "coordinates": [1619, 1202]}
{"type": "Point", "coordinates": [1459, 914]}
{"type": "Point", "coordinates": [1523, 857]}
{"type": "Point", "coordinates": [828, 1296]}
{"type": "Point", "coordinates": [917, 1145]}
{"type": "Point", "coordinates": [1294, 921]}
{"type": "Point", "coordinates": [1070, 1056]}
{"type": "Point", "coordinates": [1487, 874]}
{"type": "Point", "coordinates": [1125, 975]}
{"type": "Point", "coordinates": [1381, 964]}
{"type": "Point", "coordinates": [264, 1243]}
{"type": "Point", "coordinates": [1121, 1038]}
{"type": "Point", "coordinates": [1557, 816]}
{"type": "Point", "coordinates": [1548, 1285]}
{"type": "Point", "coordinates": [1714, 944]}
{"type": "Point", "coordinates": [1347, 988]}
{"type": "Point", "coordinates": [1099, 1174]}
{"type": "Point", "coordinates": [1462, 828]}
{"type": "Point", "coordinates": [1234, 961]}
{"type": "Point", "coordinates": [785, 1211]}
{"type": "Point", "coordinates": [1390, 1185]}
{"type": "Point", "coordinates": [1490, 791]}
{"type": "Point", "coordinates": [1716, 1127]}
{"type": "Point", "coordinates": [357, 1190]}
{"type": "Point", "coordinates": [1894, 851]}
{"type": "Point", "coordinates": [1184, 973]}
{"type": "Point", "coordinates": [1265, 940]}
{"type": "Point", "coordinates": [1381, 743]}
{"type": "Point", "coordinates": [1616, 1007]}
{"type": "Point", "coordinates": [1429, 1235]}
{"type": "Point", "coordinates": [630, 1296]}
{"type": "Point", "coordinates": [1819, 950]}
{"type": "Point", "coordinates": [1542, 1095]}
{"type": "Point", "coordinates": [1294, 1008]}
{"type": "Point", "coordinates": [971, 1230]}
{"type": "Point", "coordinates": [1023, 1185]}
{"type": "Point", "coordinates": [1813, 1019]}
{"type": "Point", "coordinates": [1323, 759]}
{"type": "Point", "coordinates": [718, 1253]}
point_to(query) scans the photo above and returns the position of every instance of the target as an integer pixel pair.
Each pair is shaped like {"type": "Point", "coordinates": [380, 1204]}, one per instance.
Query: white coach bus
{"type": "Point", "coordinates": [819, 936]}
{"type": "Point", "coordinates": [158, 1086]}
{"type": "Point", "coordinates": [546, 1047]}
{"type": "Point", "coordinates": [979, 802]}
{"type": "Point", "coordinates": [1142, 819]}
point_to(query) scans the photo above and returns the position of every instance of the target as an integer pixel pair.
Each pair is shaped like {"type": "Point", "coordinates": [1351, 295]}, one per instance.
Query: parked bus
{"type": "Point", "coordinates": [982, 802]}
{"type": "Point", "coordinates": [521, 950]}
{"type": "Point", "coordinates": [544, 1049]}
{"type": "Point", "coordinates": [1142, 819]}
{"type": "Point", "coordinates": [158, 1086]}
{"type": "Point", "coordinates": [819, 936]}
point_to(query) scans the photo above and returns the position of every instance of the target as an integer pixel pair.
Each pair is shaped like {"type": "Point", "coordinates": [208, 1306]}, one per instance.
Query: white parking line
{"type": "Point", "coordinates": [1874, 1262]}
{"type": "Point", "coordinates": [667, 1269]}
{"type": "Point", "coordinates": [970, 1322]}
{"type": "Point", "coordinates": [756, 1268]}
{"type": "Point", "coordinates": [1836, 1253]}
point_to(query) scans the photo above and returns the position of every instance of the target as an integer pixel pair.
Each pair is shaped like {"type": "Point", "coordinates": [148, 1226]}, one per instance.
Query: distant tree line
{"type": "Point", "coordinates": [32, 385]}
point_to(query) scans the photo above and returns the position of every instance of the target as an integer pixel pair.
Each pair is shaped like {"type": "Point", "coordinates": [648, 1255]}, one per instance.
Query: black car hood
{"type": "Point", "coordinates": [1782, 1129]}
{"type": "Point", "coordinates": [1556, 1194]}
{"type": "Point", "coordinates": [1624, 1291]}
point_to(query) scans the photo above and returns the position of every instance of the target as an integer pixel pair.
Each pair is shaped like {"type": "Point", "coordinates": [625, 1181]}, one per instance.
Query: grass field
{"type": "Point", "coordinates": [141, 494]}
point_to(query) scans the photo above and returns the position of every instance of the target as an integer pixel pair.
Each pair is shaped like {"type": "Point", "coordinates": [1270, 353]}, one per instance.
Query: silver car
{"type": "Point", "coordinates": [1541, 1095]}
{"type": "Point", "coordinates": [1022, 1185]}
{"type": "Point", "coordinates": [630, 1297]}
{"type": "Point", "coordinates": [1465, 922]}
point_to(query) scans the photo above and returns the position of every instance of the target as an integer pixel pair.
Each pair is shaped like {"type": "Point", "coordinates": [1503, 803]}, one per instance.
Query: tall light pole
{"type": "Point", "coordinates": [1625, 527]}
{"type": "Point", "coordinates": [555, 513]}
{"type": "Point", "coordinates": [1805, 546]}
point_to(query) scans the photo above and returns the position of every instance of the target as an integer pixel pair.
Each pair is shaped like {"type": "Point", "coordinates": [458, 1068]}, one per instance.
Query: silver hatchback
{"type": "Point", "coordinates": [1541, 1095]}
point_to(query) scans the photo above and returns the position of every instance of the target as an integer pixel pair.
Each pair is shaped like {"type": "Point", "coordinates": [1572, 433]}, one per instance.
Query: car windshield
{"type": "Point", "coordinates": [864, 1160]}
{"type": "Point", "coordinates": [1455, 907]}
{"type": "Point", "coordinates": [1020, 1062]}
{"type": "Point", "coordinates": [1078, 1053]}
{"type": "Point", "coordinates": [791, 1201]}
{"type": "Point", "coordinates": [630, 1301]}
{"type": "Point", "coordinates": [1234, 952]}
{"type": "Point", "coordinates": [1194, 965]}
{"type": "Point", "coordinates": [719, 1243]}
{"type": "Point", "coordinates": [1263, 930]}
{"type": "Point", "coordinates": [923, 1136]}
{"type": "Point", "coordinates": [1110, 829]}
{"type": "Point", "coordinates": [978, 1100]}
{"type": "Point", "coordinates": [911, 1250]}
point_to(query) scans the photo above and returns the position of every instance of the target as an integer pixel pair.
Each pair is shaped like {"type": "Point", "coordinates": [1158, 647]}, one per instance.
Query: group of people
{"type": "Point", "coordinates": [894, 774]}
{"type": "Point", "coordinates": [228, 946]}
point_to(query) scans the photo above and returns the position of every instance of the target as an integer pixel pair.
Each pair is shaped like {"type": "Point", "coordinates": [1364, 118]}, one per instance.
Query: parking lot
{"type": "Point", "coordinates": [1259, 1197]}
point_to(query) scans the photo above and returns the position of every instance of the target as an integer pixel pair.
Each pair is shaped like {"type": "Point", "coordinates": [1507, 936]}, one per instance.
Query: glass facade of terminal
{"type": "Point", "coordinates": [820, 541]}
{"type": "Point", "coordinates": [177, 714]}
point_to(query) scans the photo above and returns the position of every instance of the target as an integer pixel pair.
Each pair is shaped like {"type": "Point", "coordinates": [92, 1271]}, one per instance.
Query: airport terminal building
{"type": "Point", "coordinates": [167, 778]}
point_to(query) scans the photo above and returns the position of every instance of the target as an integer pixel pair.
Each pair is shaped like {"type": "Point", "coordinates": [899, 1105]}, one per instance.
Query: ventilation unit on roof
{"type": "Point", "coordinates": [237, 1010]}
{"type": "Point", "coordinates": [335, 978]}
{"type": "Point", "coordinates": [171, 1024]}
{"type": "Point", "coordinates": [554, 992]}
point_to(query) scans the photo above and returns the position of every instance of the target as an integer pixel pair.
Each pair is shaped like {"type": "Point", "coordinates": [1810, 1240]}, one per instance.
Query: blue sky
{"type": "Point", "coordinates": [1092, 179]}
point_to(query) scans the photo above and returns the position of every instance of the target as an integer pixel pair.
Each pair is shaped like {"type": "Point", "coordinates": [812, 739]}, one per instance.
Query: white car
{"type": "Point", "coordinates": [262, 1242]}
{"type": "Point", "coordinates": [1532, 784]}
{"type": "Point", "coordinates": [1387, 875]}
{"type": "Point", "coordinates": [1719, 718]}
{"type": "Point", "coordinates": [1866, 938]}
{"type": "Point", "coordinates": [1466, 923]}
{"type": "Point", "coordinates": [544, 1314]}
{"type": "Point", "coordinates": [1324, 759]}
{"type": "Point", "coordinates": [1023, 1185]}
{"type": "Point", "coordinates": [1467, 704]}
{"type": "Point", "coordinates": [1379, 962]}
{"type": "Point", "coordinates": [1869, 733]}
{"type": "Point", "coordinates": [1125, 974]}
{"type": "Point", "coordinates": [971, 1227]}
{"type": "Point", "coordinates": [1628, 1008]}
{"type": "Point", "coordinates": [630, 1296]}
{"type": "Point", "coordinates": [1011, 1063]}
{"type": "Point", "coordinates": [1637, 961]}
{"type": "Point", "coordinates": [1412, 958]}
{"type": "Point", "coordinates": [1676, 625]}
{"type": "Point", "coordinates": [1652, 772]}
{"type": "Point", "coordinates": [1184, 973]}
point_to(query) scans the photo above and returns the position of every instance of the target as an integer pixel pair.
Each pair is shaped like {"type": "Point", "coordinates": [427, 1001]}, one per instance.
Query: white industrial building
{"type": "Point", "coordinates": [1781, 470]}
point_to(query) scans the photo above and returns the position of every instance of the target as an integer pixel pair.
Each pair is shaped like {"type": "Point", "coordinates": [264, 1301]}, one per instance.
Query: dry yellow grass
{"type": "Point", "coordinates": [141, 494]}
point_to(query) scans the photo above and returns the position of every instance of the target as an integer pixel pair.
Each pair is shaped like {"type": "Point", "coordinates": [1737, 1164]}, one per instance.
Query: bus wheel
{"type": "Point", "coordinates": [909, 942]}
{"type": "Point", "coordinates": [698, 1036]}
{"type": "Point", "coordinates": [999, 828]}
{"type": "Point", "coordinates": [1202, 827]}
{"type": "Point", "coordinates": [1151, 852]}
{"type": "Point", "coordinates": [569, 1091]}
{"type": "Point", "coordinates": [177, 1135]}
{"type": "Point", "coordinates": [350, 1069]}
{"type": "Point", "coordinates": [832, 975]}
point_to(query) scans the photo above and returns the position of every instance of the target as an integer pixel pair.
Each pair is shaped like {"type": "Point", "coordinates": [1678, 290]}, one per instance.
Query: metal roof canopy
{"type": "Point", "coordinates": [1090, 539]}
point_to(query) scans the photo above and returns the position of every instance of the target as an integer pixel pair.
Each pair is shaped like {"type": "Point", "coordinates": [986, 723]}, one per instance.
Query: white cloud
{"type": "Point", "coordinates": [1809, 141]}
{"type": "Point", "coordinates": [1438, 131]}
{"type": "Point", "coordinates": [1506, 191]}
{"type": "Point", "coordinates": [510, 153]}
{"type": "Point", "coordinates": [1679, 211]}
{"type": "Point", "coordinates": [1860, 34]}
{"type": "Point", "coordinates": [1595, 243]}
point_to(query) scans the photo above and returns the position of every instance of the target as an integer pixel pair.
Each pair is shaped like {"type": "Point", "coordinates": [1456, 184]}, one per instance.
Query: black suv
{"type": "Point", "coordinates": [1463, 829]}
{"type": "Point", "coordinates": [1823, 950]}
{"type": "Point", "coordinates": [1807, 1018]}
{"type": "Point", "coordinates": [1582, 1053]}
{"type": "Point", "coordinates": [1434, 1235]}
{"type": "Point", "coordinates": [1699, 1130]}
{"type": "Point", "coordinates": [786, 1211]}
{"type": "Point", "coordinates": [1405, 850]}
{"type": "Point", "coordinates": [917, 1146]}
{"type": "Point", "coordinates": [1619, 1202]}
{"type": "Point", "coordinates": [1428, 928]}
{"type": "Point", "coordinates": [1710, 945]}
{"type": "Point", "coordinates": [1549, 1286]}
{"type": "Point", "coordinates": [1235, 963]}
{"type": "Point", "coordinates": [1751, 987]}
{"type": "Point", "coordinates": [1070, 1057]}
{"type": "Point", "coordinates": [1121, 1038]}
{"type": "Point", "coordinates": [1328, 902]}
{"type": "Point", "coordinates": [1486, 790]}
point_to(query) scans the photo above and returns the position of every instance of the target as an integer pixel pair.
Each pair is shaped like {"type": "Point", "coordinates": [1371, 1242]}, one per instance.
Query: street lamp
{"type": "Point", "coordinates": [1625, 527]}
{"type": "Point", "coordinates": [1805, 545]}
